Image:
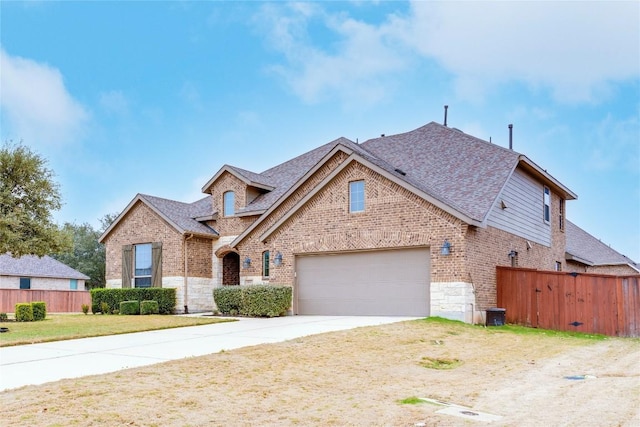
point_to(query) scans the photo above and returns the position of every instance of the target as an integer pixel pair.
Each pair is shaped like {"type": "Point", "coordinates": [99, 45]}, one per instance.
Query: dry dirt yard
{"type": "Point", "coordinates": [362, 377]}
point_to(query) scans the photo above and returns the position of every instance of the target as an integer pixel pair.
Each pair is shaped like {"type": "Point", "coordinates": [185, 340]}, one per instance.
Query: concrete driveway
{"type": "Point", "coordinates": [42, 363]}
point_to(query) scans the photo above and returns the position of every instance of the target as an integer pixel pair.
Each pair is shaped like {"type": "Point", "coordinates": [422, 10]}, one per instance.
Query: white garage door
{"type": "Point", "coordinates": [375, 283]}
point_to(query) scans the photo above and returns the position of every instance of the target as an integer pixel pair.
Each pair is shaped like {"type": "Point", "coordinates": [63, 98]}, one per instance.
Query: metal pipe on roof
{"type": "Point", "coordinates": [446, 107]}
{"type": "Point", "coordinates": [510, 137]}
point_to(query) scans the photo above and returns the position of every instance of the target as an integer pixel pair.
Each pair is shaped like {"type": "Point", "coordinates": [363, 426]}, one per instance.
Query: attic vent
{"type": "Point", "coordinates": [401, 172]}
{"type": "Point", "coordinates": [382, 135]}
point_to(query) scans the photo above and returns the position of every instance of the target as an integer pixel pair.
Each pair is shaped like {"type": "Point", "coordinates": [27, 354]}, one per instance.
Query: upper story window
{"type": "Point", "coordinates": [547, 205]}
{"type": "Point", "coordinates": [561, 223]}
{"type": "Point", "coordinates": [229, 203]}
{"type": "Point", "coordinates": [73, 284]}
{"type": "Point", "coordinates": [265, 264]}
{"type": "Point", "coordinates": [356, 196]}
{"type": "Point", "coordinates": [142, 262]}
{"type": "Point", "coordinates": [25, 283]}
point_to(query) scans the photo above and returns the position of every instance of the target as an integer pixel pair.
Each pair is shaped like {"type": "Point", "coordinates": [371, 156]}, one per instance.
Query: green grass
{"type": "Point", "coordinates": [439, 363]}
{"type": "Point", "coordinates": [58, 327]}
{"type": "Point", "coordinates": [411, 401]}
{"type": "Point", "coordinates": [514, 329]}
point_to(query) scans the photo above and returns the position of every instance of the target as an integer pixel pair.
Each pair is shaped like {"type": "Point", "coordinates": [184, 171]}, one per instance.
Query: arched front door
{"type": "Point", "coordinates": [231, 269]}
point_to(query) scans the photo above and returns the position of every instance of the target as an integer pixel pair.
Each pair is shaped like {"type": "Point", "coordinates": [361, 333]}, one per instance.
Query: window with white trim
{"type": "Point", "coordinates": [25, 283]}
{"type": "Point", "coordinates": [229, 203]}
{"type": "Point", "coordinates": [142, 262]}
{"type": "Point", "coordinates": [546, 214]}
{"type": "Point", "coordinates": [356, 196]}
{"type": "Point", "coordinates": [73, 284]}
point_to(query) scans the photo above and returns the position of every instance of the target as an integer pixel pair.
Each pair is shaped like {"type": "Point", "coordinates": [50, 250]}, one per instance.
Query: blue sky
{"type": "Point", "coordinates": [154, 97]}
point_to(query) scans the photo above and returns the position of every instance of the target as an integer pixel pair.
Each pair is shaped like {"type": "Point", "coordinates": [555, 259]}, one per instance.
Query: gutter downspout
{"type": "Point", "coordinates": [186, 274]}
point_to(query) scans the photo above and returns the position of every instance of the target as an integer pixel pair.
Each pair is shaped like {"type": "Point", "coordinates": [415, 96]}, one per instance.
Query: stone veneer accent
{"type": "Point", "coordinates": [454, 300]}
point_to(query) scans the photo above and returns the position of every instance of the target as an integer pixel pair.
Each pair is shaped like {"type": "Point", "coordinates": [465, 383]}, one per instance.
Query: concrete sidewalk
{"type": "Point", "coordinates": [41, 363]}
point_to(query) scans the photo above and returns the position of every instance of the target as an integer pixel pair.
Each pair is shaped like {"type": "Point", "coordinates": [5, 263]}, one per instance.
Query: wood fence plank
{"type": "Point", "coordinates": [56, 301]}
{"type": "Point", "coordinates": [571, 302]}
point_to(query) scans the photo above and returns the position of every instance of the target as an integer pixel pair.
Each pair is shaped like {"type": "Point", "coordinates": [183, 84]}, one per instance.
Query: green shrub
{"type": "Point", "coordinates": [228, 299]}
{"type": "Point", "coordinates": [24, 312]}
{"type": "Point", "coordinates": [39, 310]}
{"type": "Point", "coordinates": [149, 307]}
{"type": "Point", "coordinates": [85, 308]}
{"type": "Point", "coordinates": [254, 300]}
{"type": "Point", "coordinates": [130, 307]}
{"type": "Point", "coordinates": [4, 317]}
{"type": "Point", "coordinates": [166, 298]}
{"type": "Point", "coordinates": [265, 300]}
{"type": "Point", "coordinates": [104, 308]}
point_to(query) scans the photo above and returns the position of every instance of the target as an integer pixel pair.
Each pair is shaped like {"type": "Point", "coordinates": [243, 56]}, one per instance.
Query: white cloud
{"type": "Point", "coordinates": [36, 106]}
{"type": "Point", "coordinates": [350, 68]}
{"type": "Point", "coordinates": [575, 48]}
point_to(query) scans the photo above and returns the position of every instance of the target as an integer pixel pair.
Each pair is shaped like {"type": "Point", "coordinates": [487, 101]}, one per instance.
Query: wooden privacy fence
{"type": "Point", "coordinates": [590, 303]}
{"type": "Point", "coordinates": [57, 301]}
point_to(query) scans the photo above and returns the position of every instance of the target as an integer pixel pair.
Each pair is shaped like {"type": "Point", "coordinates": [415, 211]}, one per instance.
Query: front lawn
{"type": "Point", "coordinates": [372, 376]}
{"type": "Point", "coordinates": [69, 326]}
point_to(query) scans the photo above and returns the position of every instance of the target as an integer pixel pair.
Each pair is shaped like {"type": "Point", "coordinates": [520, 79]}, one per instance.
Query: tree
{"type": "Point", "coordinates": [28, 195]}
{"type": "Point", "coordinates": [87, 254]}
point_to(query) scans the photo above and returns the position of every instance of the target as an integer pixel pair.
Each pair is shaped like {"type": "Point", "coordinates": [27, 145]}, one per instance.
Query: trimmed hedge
{"type": "Point", "coordinates": [31, 311]}
{"type": "Point", "coordinates": [39, 310]}
{"type": "Point", "coordinates": [130, 307]}
{"type": "Point", "coordinates": [254, 300]}
{"type": "Point", "coordinates": [149, 307]}
{"type": "Point", "coordinates": [165, 297]}
{"type": "Point", "coordinates": [228, 299]}
{"type": "Point", "coordinates": [24, 312]}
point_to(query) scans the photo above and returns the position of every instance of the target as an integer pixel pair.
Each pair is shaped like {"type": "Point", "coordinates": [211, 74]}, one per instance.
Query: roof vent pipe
{"type": "Point", "coordinates": [446, 107]}
{"type": "Point", "coordinates": [510, 137]}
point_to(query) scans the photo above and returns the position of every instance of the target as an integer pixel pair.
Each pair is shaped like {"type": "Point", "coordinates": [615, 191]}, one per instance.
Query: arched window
{"type": "Point", "coordinates": [229, 203]}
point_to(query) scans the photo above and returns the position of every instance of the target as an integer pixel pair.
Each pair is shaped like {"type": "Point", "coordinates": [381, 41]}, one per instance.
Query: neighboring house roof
{"type": "Point", "coordinates": [33, 266]}
{"type": "Point", "coordinates": [582, 247]}
{"type": "Point", "coordinates": [181, 216]}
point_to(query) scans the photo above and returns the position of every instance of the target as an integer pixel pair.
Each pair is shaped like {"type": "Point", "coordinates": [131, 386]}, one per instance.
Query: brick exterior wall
{"type": "Point", "coordinates": [617, 270]}
{"type": "Point", "coordinates": [227, 226]}
{"type": "Point", "coordinates": [200, 255]}
{"type": "Point", "coordinates": [393, 217]}
{"type": "Point", "coordinates": [142, 225]}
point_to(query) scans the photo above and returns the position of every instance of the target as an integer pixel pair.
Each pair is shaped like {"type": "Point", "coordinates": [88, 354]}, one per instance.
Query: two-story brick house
{"type": "Point", "coordinates": [408, 224]}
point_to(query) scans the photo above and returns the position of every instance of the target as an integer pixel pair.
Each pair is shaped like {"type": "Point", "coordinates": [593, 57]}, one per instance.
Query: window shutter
{"type": "Point", "coordinates": [127, 261]}
{"type": "Point", "coordinates": [156, 264]}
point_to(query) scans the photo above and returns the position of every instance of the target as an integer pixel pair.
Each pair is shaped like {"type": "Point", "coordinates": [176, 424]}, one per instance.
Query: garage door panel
{"type": "Point", "coordinates": [365, 283]}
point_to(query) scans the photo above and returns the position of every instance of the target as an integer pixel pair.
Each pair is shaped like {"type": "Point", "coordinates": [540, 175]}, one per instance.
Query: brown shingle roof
{"type": "Point", "coordinates": [586, 247]}
{"type": "Point", "coordinates": [33, 266]}
{"type": "Point", "coordinates": [182, 215]}
{"type": "Point", "coordinates": [460, 170]}
{"type": "Point", "coordinates": [285, 175]}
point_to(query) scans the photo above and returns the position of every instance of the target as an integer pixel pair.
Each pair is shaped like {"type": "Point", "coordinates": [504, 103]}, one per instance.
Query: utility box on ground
{"type": "Point", "coordinates": [495, 316]}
